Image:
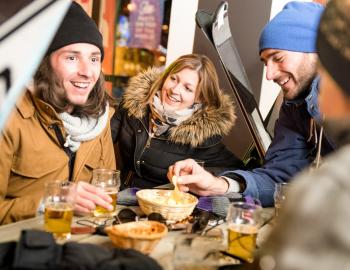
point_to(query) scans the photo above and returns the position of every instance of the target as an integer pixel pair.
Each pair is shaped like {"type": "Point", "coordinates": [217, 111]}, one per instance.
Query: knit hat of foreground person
{"type": "Point", "coordinates": [333, 42]}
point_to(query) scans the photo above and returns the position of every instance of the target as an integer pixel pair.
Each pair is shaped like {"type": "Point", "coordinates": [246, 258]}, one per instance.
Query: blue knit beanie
{"type": "Point", "coordinates": [293, 29]}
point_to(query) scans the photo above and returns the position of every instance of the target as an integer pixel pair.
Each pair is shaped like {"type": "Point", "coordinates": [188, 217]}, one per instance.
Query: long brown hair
{"type": "Point", "coordinates": [208, 89]}
{"type": "Point", "coordinates": [49, 89]}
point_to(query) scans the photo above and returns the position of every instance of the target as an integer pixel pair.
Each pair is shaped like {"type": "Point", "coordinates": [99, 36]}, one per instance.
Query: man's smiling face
{"type": "Point", "coordinates": [293, 71]}
{"type": "Point", "coordinates": [78, 67]}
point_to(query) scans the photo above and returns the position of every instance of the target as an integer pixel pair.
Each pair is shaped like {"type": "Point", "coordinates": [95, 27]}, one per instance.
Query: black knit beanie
{"type": "Point", "coordinates": [76, 27]}
{"type": "Point", "coordinates": [333, 42]}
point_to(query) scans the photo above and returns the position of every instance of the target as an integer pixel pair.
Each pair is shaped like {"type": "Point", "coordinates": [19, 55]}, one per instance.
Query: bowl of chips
{"type": "Point", "coordinates": [172, 208]}
{"type": "Point", "coordinates": [140, 235]}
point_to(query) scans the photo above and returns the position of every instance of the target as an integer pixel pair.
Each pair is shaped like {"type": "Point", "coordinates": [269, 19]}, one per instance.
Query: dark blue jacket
{"type": "Point", "coordinates": [291, 150]}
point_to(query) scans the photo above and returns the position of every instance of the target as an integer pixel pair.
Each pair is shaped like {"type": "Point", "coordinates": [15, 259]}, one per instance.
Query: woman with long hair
{"type": "Point", "coordinates": [169, 116]}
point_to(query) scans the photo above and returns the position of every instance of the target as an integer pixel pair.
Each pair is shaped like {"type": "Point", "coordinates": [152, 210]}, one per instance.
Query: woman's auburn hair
{"type": "Point", "coordinates": [208, 89]}
{"type": "Point", "coordinates": [49, 89]}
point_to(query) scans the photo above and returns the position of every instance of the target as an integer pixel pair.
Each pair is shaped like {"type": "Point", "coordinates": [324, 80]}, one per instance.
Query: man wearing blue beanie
{"type": "Point", "coordinates": [312, 232]}
{"type": "Point", "coordinates": [287, 47]}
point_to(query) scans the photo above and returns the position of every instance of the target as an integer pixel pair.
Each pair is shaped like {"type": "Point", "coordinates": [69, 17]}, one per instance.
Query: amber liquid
{"type": "Point", "coordinates": [58, 219]}
{"type": "Point", "coordinates": [103, 212]}
{"type": "Point", "coordinates": [242, 241]}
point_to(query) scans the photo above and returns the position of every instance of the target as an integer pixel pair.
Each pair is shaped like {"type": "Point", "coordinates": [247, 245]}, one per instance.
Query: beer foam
{"type": "Point", "coordinates": [243, 228]}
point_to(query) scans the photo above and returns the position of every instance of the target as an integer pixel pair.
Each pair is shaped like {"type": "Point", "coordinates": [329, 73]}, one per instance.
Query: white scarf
{"type": "Point", "coordinates": [82, 129]}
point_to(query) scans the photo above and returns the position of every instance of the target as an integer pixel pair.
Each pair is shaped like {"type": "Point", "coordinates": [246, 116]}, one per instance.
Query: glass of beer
{"type": "Point", "coordinates": [280, 196]}
{"type": "Point", "coordinates": [58, 201]}
{"type": "Point", "coordinates": [109, 182]}
{"type": "Point", "coordinates": [243, 221]}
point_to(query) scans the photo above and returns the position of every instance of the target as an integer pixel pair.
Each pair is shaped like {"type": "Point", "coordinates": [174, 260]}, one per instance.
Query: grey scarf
{"type": "Point", "coordinates": [162, 118]}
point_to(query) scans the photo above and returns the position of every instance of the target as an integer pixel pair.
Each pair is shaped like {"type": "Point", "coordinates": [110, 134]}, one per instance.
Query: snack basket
{"type": "Point", "coordinates": [157, 201]}
{"type": "Point", "coordinates": [140, 235]}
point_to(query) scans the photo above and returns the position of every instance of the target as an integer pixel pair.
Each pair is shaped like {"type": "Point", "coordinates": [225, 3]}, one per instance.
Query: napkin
{"type": "Point", "coordinates": [128, 197]}
{"type": "Point", "coordinates": [219, 204]}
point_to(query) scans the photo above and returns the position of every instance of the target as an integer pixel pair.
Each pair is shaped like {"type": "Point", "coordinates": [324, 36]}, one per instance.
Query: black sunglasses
{"type": "Point", "coordinates": [201, 220]}
{"type": "Point", "coordinates": [196, 223]}
{"type": "Point", "coordinates": [128, 215]}
{"type": "Point", "coordinates": [125, 215]}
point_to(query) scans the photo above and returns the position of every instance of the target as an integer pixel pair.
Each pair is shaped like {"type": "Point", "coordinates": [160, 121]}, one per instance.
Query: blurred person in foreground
{"type": "Point", "coordinates": [313, 230]}
{"type": "Point", "coordinates": [287, 48]}
{"type": "Point", "coordinates": [60, 130]}
{"type": "Point", "coordinates": [169, 116]}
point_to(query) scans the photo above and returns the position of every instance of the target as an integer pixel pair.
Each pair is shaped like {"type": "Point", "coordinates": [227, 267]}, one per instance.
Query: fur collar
{"type": "Point", "coordinates": [203, 125]}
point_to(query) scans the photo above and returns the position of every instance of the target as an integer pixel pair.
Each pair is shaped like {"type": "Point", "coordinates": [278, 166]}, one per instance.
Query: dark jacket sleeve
{"type": "Point", "coordinates": [38, 250]}
{"type": "Point", "coordinates": [287, 155]}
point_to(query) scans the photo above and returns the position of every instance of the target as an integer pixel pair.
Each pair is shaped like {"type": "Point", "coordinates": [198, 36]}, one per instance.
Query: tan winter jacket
{"type": "Point", "coordinates": [31, 155]}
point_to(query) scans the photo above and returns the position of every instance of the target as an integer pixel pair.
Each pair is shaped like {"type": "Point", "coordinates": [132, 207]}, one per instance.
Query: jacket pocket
{"type": "Point", "coordinates": [100, 154]}
{"type": "Point", "coordinates": [36, 167]}
{"type": "Point", "coordinates": [93, 162]}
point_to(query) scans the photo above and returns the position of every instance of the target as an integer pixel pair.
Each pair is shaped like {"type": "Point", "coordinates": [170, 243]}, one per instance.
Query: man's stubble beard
{"type": "Point", "coordinates": [308, 72]}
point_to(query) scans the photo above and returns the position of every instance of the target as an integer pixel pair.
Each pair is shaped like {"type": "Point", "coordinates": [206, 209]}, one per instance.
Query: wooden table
{"type": "Point", "coordinates": [163, 252]}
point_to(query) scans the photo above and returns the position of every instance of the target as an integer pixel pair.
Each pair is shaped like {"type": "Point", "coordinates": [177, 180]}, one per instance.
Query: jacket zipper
{"type": "Point", "coordinates": [69, 153]}
{"type": "Point", "coordinates": [147, 145]}
{"type": "Point", "coordinates": [148, 142]}
{"type": "Point", "coordinates": [128, 178]}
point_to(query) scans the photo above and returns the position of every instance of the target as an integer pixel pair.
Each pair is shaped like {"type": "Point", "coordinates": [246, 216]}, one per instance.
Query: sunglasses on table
{"type": "Point", "coordinates": [204, 221]}
{"type": "Point", "coordinates": [198, 221]}
{"type": "Point", "coordinates": [125, 215]}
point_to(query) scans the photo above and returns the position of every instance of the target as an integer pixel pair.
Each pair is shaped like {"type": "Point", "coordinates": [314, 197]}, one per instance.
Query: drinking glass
{"type": "Point", "coordinates": [109, 182]}
{"type": "Point", "coordinates": [243, 221]}
{"type": "Point", "coordinates": [280, 196]}
{"type": "Point", "coordinates": [59, 202]}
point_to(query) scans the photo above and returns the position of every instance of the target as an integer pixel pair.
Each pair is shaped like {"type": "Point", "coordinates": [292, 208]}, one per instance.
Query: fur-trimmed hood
{"type": "Point", "coordinates": [204, 124]}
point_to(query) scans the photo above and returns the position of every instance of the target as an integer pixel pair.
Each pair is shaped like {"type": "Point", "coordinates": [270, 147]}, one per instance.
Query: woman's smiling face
{"type": "Point", "coordinates": [179, 89]}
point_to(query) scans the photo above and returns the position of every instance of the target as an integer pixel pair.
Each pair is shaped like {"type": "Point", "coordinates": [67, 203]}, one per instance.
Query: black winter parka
{"type": "Point", "coordinates": [144, 160]}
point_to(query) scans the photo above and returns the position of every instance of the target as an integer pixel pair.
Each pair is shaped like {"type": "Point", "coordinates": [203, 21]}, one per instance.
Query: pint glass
{"type": "Point", "coordinates": [58, 200]}
{"type": "Point", "coordinates": [109, 182]}
{"type": "Point", "coordinates": [280, 196]}
{"type": "Point", "coordinates": [243, 220]}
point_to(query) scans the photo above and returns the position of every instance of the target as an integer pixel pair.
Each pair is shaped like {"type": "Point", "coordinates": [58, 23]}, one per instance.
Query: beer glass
{"type": "Point", "coordinates": [109, 182]}
{"type": "Point", "coordinates": [58, 201]}
{"type": "Point", "coordinates": [243, 221]}
{"type": "Point", "coordinates": [280, 196]}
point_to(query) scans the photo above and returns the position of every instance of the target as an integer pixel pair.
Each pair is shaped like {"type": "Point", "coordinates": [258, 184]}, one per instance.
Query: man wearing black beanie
{"type": "Point", "coordinates": [60, 128]}
{"type": "Point", "coordinates": [77, 27]}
